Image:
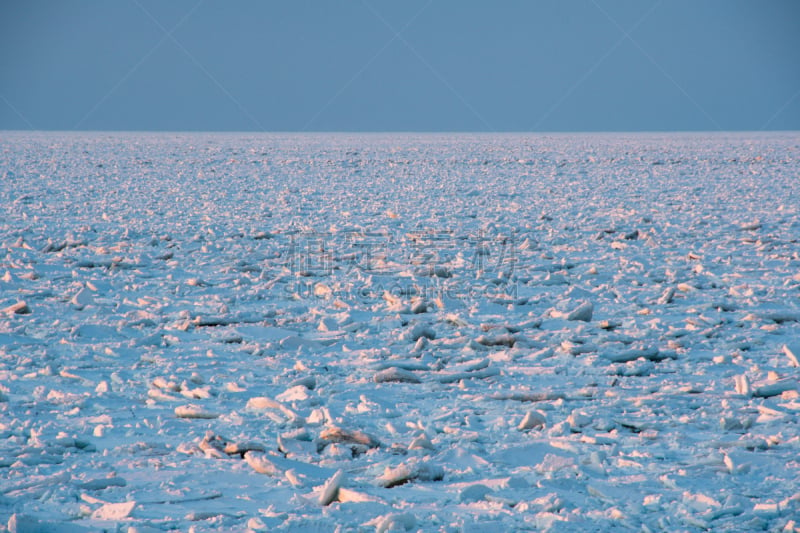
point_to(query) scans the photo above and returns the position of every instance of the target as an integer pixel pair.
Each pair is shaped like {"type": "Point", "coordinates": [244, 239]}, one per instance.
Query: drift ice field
{"type": "Point", "coordinates": [233, 332]}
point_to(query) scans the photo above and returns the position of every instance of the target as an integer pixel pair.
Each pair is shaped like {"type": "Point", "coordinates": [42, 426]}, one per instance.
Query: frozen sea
{"type": "Point", "coordinates": [241, 332]}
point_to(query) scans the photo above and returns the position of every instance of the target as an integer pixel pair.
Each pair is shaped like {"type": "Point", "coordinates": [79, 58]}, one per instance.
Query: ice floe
{"type": "Point", "coordinates": [399, 332]}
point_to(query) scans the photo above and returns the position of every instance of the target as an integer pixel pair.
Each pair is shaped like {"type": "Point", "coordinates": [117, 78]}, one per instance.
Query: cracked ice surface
{"type": "Point", "coordinates": [399, 332]}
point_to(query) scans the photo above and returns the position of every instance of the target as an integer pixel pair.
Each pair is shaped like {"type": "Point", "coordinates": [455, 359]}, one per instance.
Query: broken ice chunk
{"type": "Point", "coordinates": [297, 393]}
{"type": "Point", "coordinates": [792, 351]}
{"type": "Point", "coordinates": [418, 331]}
{"type": "Point", "coordinates": [260, 462]}
{"type": "Point", "coordinates": [394, 374]}
{"type": "Point", "coordinates": [700, 502]}
{"type": "Point", "coordinates": [583, 312]}
{"type": "Point", "coordinates": [330, 490]}
{"type": "Point", "coordinates": [767, 510]}
{"type": "Point", "coordinates": [504, 339]}
{"type": "Point", "coordinates": [193, 411]}
{"type": "Point", "coordinates": [420, 306]}
{"type": "Point", "coordinates": [102, 483]}
{"type": "Point", "coordinates": [336, 434]}
{"type": "Point", "coordinates": [405, 472]}
{"type": "Point", "coordinates": [667, 296]}
{"type": "Point", "coordinates": [241, 448]}
{"type": "Point", "coordinates": [19, 308]}
{"type": "Point", "coordinates": [114, 511]}
{"type": "Point", "coordinates": [309, 382]}
{"type": "Point", "coordinates": [421, 442]}
{"type": "Point", "coordinates": [750, 226]}
{"type": "Point", "coordinates": [742, 383]}
{"type": "Point", "coordinates": [393, 522]}
{"type": "Point", "coordinates": [392, 477]}
{"type": "Point", "coordinates": [775, 388]}
{"type": "Point", "coordinates": [577, 420]}
{"type": "Point", "coordinates": [532, 419]}
{"type": "Point", "coordinates": [82, 299]}
{"type": "Point", "coordinates": [651, 353]}
{"type": "Point", "coordinates": [268, 404]}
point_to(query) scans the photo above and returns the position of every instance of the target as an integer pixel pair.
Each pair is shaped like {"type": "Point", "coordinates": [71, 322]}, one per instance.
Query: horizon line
{"type": "Point", "coordinates": [400, 132]}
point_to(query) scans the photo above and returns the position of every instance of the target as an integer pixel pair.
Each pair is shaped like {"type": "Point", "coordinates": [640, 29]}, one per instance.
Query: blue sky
{"type": "Point", "coordinates": [429, 65]}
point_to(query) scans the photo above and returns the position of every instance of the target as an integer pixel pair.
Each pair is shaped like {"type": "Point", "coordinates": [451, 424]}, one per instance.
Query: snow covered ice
{"type": "Point", "coordinates": [399, 332]}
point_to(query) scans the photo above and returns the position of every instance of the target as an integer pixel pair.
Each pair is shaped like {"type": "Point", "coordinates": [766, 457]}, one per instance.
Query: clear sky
{"type": "Point", "coordinates": [411, 65]}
